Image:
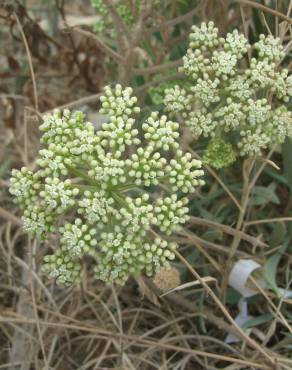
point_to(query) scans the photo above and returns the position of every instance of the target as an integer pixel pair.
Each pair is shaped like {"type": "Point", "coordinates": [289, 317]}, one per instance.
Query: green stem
{"type": "Point", "coordinates": [81, 174]}
{"type": "Point", "coordinates": [85, 187]}
{"type": "Point", "coordinates": [125, 187]}
{"type": "Point", "coordinates": [119, 199]}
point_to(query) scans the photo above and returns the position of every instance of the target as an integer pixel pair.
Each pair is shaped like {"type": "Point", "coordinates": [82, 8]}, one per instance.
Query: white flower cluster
{"type": "Point", "coordinates": [201, 123]}
{"type": "Point", "coordinates": [68, 138]}
{"type": "Point", "coordinates": [230, 103]}
{"type": "Point", "coordinates": [177, 100]}
{"type": "Point", "coordinates": [206, 90]}
{"type": "Point", "coordinates": [184, 172]}
{"type": "Point", "coordinates": [146, 167]}
{"type": "Point", "coordinates": [171, 213]}
{"type": "Point", "coordinates": [204, 37]}
{"type": "Point", "coordinates": [62, 267]}
{"type": "Point", "coordinates": [58, 195]}
{"type": "Point", "coordinates": [270, 48]}
{"type": "Point", "coordinates": [78, 238]}
{"type": "Point", "coordinates": [162, 133]}
{"type": "Point", "coordinates": [235, 43]}
{"type": "Point", "coordinates": [106, 182]}
{"type": "Point", "coordinates": [118, 102]}
{"type": "Point", "coordinates": [96, 207]}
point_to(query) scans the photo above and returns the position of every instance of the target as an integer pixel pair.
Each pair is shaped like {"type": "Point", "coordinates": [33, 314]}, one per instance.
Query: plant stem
{"type": "Point", "coordinates": [220, 305]}
{"type": "Point", "coordinates": [264, 8]}
{"type": "Point", "coordinates": [81, 174]}
{"type": "Point", "coordinates": [248, 186]}
{"type": "Point", "coordinates": [246, 170]}
{"type": "Point", "coordinates": [217, 178]}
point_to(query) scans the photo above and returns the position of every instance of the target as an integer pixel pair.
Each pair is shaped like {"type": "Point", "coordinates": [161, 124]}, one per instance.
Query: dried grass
{"type": "Point", "coordinates": [98, 327]}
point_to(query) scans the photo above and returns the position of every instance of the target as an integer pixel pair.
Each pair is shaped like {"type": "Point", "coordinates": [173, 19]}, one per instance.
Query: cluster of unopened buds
{"type": "Point", "coordinates": [230, 100]}
{"type": "Point", "coordinates": [105, 21]}
{"type": "Point", "coordinates": [112, 193]}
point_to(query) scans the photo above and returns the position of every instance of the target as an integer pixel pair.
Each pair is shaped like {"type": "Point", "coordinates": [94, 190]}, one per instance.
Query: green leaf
{"type": "Point", "coordinates": [275, 175]}
{"type": "Point", "coordinates": [270, 269]}
{"type": "Point", "coordinates": [213, 235]}
{"type": "Point", "coordinates": [232, 296]}
{"type": "Point", "coordinates": [278, 234]}
{"type": "Point", "coordinates": [4, 167]}
{"type": "Point", "coordinates": [262, 319]}
{"type": "Point", "coordinates": [263, 195]}
{"type": "Point", "coordinates": [287, 155]}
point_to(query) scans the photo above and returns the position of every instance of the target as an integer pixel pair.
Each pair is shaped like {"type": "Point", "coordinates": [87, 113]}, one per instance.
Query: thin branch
{"type": "Point", "coordinates": [248, 185]}
{"type": "Point", "coordinates": [276, 309]}
{"type": "Point", "coordinates": [118, 22]}
{"type": "Point", "coordinates": [260, 170]}
{"type": "Point", "coordinates": [31, 257]}
{"type": "Point", "coordinates": [225, 188]}
{"type": "Point", "coordinates": [159, 68]}
{"type": "Point", "coordinates": [73, 44]}
{"type": "Point", "coordinates": [218, 248]}
{"type": "Point", "coordinates": [137, 341]}
{"type": "Point", "coordinates": [227, 229]}
{"type": "Point", "coordinates": [289, 8]}
{"type": "Point", "coordinates": [106, 49]}
{"type": "Point", "coordinates": [131, 43]}
{"type": "Point", "coordinates": [203, 251]}
{"type": "Point", "coordinates": [176, 76]}
{"type": "Point", "coordinates": [10, 217]}
{"type": "Point", "coordinates": [264, 8]}
{"type": "Point", "coordinates": [246, 170]}
{"type": "Point", "coordinates": [36, 103]}
{"type": "Point", "coordinates": [175, 21]}
{"type": "Point", "coordinates": [14, 96]}
{"type": "Point", "coordinates": [217, 178]}
{"type": "Point", "coordinates": [223, 309]}
{"type": "Point", "coordinates": [268, 220]}
{"type": "Point", "coordinates": [86, 99]}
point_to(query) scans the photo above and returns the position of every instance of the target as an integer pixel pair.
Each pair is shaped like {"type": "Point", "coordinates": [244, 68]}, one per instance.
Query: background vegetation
{"type": "Point", "coordinates": [58, 54]}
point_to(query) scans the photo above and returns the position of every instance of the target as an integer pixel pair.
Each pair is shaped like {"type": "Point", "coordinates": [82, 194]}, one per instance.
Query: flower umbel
{"type": "Point", "coordinates": [107, 193]}
{"type": "Point", "coordinates": [225, 97]}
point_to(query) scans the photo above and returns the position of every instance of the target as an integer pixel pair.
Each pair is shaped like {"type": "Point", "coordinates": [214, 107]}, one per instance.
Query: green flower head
{"type": "Point", "coordinates": [110, 193]}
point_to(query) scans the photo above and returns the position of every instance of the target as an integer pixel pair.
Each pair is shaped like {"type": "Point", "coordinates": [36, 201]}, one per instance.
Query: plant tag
{"type": "Point", "coordinates": [240, 274]}
{"type": "Point", "coordinates": [240, 319]}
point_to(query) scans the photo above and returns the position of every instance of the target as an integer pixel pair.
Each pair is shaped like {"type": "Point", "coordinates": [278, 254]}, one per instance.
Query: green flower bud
{"type": "Point", "coordinates": [219, 154]}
